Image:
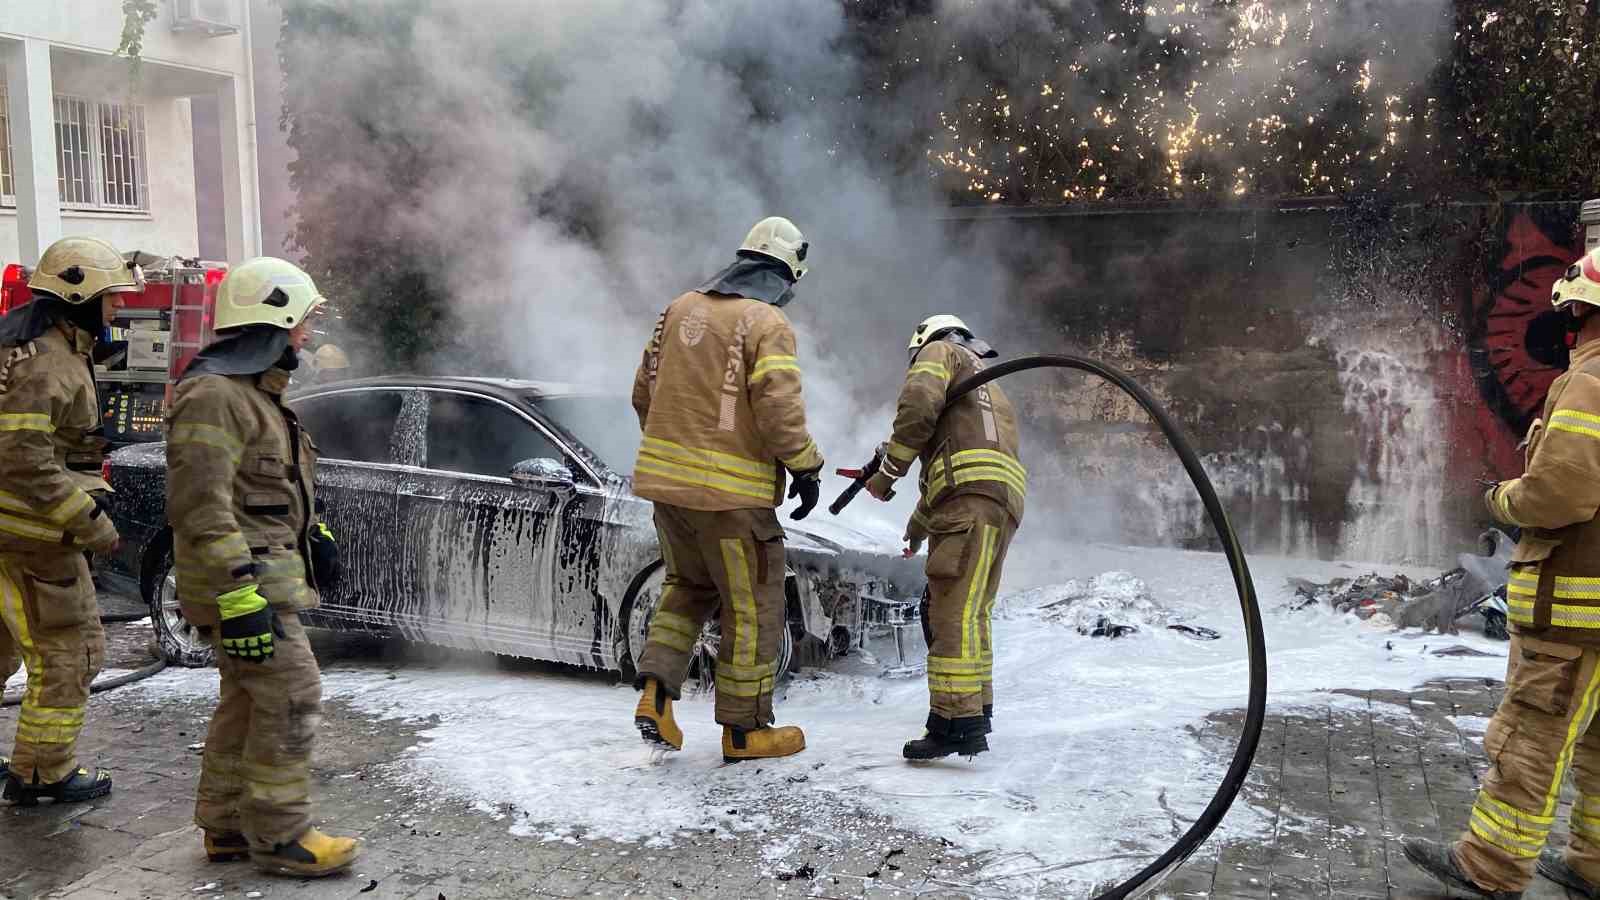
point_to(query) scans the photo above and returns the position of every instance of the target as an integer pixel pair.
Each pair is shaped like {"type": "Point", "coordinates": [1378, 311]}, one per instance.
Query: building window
{"type": "Point", "coordinates": [101, 155]}
{"type": "Point", "coordinates": [122, 156]}
{"type": "Point", "coordinates": [8, 186]}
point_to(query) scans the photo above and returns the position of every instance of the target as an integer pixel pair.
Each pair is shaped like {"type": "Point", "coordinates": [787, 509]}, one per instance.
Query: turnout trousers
{"type": "Point", "coordinates": [967, 540]}
{"type": "Point", "coordinates": [51, 626]}
{"type": "Point", "coordinates": [1544, 727]}
{"type": "Point", "coordinates": [728, 563]}
{"type": "Point", "coordinates": [255, 777]}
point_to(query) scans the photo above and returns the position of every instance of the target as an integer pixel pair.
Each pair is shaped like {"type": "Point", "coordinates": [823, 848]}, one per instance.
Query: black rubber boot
{"type": "Point", "coordinates": [227, 846]}
{"type": "Point", "coordinates": [949, 736]}
{"type": "Point", "coordinates": [1439, 861]}
{"type": "Point", "coordinates": [1554, 867]}
{"type": "Point", "coordinates": [81, 785]}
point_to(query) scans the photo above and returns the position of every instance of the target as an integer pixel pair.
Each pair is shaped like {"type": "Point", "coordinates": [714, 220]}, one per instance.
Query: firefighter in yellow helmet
{"type": "Point", "coordinates": [972, 487]}
{"type": "Point", "coordinates": [1546, 723]}
{"type": "Point", "coordinates": [250, 554]}
{"type": "Point", "coordinates": [330, 364]}
{"type": "Point", "coordinates": [52, 509]}
{"type": "Point", "coordinates": [718, 398]}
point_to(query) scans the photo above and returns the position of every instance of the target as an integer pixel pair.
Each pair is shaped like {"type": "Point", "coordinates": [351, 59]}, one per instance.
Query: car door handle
{"type": "Point", "coordinates": [417, 496]}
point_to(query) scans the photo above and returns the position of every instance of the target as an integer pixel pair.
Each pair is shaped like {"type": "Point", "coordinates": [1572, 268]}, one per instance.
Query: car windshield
{"type": "Point", "coordinates": [608, 426]}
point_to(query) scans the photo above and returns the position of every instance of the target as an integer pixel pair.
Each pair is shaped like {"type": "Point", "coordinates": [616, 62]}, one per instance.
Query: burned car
{"type": "Point", "coordinates": [494, 515]}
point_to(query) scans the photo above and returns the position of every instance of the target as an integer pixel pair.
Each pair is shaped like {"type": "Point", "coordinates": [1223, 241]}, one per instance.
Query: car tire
{"type": "Point", "coordinates": [634, 623]}
{"type": "Point", "coordinates": [179, 643]}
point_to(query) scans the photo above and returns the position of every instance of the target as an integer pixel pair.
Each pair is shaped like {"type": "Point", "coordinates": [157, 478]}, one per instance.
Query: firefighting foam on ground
{"type": "Point", "coordinates": [483, 527]}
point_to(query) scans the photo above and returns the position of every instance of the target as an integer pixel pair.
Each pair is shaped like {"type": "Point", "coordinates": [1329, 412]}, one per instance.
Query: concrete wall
{"type": "Point", "coordinates": [178, 71]}
{"type": "Point", "coordinates": [96, 26]}
{"type": "Point", "coordinates": [170, 226]}
{"type": "Point", "coordinates": [1349, 373]}
{"type": "Point", "coordinates": [272, 143]}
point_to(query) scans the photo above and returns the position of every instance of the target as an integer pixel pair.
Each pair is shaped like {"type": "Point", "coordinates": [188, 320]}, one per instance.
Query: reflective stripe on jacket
{"type": "Point", "coordinates": [969, 447]}
{"type": "Point", "coordinates": [50, 444]}
{"type": "Point", "coordinates": [718, 398]}
{"type": "Point", "coordinates": [240, 492]}
{"type": "Point", "coordinates": [1554, 588]}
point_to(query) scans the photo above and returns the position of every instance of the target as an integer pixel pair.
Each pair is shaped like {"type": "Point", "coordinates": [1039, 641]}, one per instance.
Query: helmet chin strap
{"type": "Point", "coordinates": [1576, 320]}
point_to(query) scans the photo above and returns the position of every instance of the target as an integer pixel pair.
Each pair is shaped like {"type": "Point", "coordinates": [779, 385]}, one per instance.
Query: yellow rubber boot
{"type": "Point", "coordinates": [312, 856]}
{"type": "Point", "coordinates": [653, 717]}
{"type": "Point", "coordinates": [762, 743]}
{"type": "Point", "coordinates": [228, 846]}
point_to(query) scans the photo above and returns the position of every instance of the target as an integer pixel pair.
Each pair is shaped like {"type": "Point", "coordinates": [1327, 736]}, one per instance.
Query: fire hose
{"type": "Point", "coordinates": [1148, 878]}
{"type": "Point", "coordinates": [104, 684]}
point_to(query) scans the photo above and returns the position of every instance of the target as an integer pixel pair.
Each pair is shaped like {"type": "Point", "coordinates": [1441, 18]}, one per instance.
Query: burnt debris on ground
{"type": "Point", "coordinates": [1474, 590]}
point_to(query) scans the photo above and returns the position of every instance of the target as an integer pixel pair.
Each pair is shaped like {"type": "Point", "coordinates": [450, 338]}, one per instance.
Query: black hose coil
{"type": "Point", "coordinates": [1151, 876]}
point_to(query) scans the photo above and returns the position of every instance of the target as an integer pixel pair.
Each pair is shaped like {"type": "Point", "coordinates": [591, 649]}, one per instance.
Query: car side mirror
{"type": "Point", "coordinates": [544, 474]}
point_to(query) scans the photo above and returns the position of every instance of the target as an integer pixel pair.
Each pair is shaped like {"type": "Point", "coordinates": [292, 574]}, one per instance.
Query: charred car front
{"type": "Point", "coordinates": [493, 515]}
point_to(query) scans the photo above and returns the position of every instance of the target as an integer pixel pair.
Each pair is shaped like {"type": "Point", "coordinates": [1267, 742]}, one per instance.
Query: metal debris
{"type": "Point", "coordinates": [1477, 585]}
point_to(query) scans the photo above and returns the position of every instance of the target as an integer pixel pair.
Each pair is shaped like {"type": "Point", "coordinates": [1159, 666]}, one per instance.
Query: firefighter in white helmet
{"type": "Point", "coordinates": [1545, 726]}
{"type": "Point", "coordinates": [971, 492]}
{"type": "Point", "coordinates": [52, 509]}
{"type": "Point", "coordinates": [250, 555]}
{"type": "Point", "coordinates": [718, 398]}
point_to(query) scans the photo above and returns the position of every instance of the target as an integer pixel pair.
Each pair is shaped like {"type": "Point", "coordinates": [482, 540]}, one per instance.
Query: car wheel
{"type": "Point", "coordinates": [180, 643]}
{"type": "Point", "coordinates": [643, 597]}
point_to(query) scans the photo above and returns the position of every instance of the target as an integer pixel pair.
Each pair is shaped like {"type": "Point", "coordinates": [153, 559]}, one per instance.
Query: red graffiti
{"type": "Point", "coordinates": [1532, 263]}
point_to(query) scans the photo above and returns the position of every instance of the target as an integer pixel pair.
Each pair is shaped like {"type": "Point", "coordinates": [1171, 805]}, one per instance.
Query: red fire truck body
{"type": "Point", "coordinates": [155, 335]}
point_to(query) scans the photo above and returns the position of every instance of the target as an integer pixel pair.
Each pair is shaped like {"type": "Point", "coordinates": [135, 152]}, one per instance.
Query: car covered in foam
{"type": "Point", "coordinates": [495, 515]}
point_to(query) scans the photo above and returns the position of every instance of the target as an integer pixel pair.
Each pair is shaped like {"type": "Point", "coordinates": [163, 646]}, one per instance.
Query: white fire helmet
{"type": "Point", "coordinates": [932, 327]}
{"type": "Point", "coordinates": [265, 291]}
{"type": "Point", "coordinates": [777, 238]}
{"type": "Point", "coordinates": [1580, 283]}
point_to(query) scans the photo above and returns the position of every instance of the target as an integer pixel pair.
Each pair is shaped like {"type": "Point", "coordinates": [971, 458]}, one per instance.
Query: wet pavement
{"type": "Point", "coordinates": [1341, 783]}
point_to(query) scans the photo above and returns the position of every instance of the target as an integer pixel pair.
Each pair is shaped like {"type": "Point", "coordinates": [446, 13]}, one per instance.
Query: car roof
{"type": "Point", "coordinates": [508, 388]}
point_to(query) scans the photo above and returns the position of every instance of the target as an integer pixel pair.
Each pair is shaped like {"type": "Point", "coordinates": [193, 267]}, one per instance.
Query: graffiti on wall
{"type": "Point", "coordinates": [1532, 246]}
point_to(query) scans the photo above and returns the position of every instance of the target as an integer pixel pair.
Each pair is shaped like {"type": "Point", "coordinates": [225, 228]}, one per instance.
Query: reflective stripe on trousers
{"type": "Point", "coordinates": [728, 564]}
{"type": "Point", "coordinates": [961, 605]}
{"type": "Point", "coordinates": [1542, 729]}
{"type": "Point", "coordinates": [61, 646]}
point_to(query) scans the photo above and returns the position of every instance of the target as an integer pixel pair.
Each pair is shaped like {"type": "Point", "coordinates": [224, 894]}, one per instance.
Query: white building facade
{"type": "Point", "coordinates": [94, 146]}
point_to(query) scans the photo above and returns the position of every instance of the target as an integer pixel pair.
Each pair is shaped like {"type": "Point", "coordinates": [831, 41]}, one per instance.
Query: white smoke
{"type": "Point", "coordinates": [581, 162]}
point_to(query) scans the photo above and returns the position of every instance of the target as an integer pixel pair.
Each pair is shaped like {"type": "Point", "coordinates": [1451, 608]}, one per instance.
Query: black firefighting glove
{"type": "Point", "coordinates": [248, 625]}
{"type": "Point", "coordinates": [808, 487]}
{"type": "Point", "coordinates": [325, 569]}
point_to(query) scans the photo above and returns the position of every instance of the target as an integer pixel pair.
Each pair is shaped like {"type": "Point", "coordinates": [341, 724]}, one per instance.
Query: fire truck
{"type": "Point", "coordinates": [155, 335]}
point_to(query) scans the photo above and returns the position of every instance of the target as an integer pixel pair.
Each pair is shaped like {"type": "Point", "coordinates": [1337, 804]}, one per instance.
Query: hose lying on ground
{"type": "Point", "coordinates": [1255, 715]}
{"type": "Point", "coordinates": [107, 684]}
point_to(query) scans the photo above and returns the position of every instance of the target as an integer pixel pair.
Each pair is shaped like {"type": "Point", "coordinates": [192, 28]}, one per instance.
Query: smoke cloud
{"type": "Point", "coordinates": [575, 164]}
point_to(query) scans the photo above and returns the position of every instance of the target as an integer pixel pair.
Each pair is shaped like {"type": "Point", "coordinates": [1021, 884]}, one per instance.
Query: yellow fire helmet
{"type": "Point", "coordinates": [933, 326]}
{"type": "Point", "coordinates": [1580, 283]}
{"type": "Point", "coordinates": [80, 269]}
{"type": "Point", "coordinates": [779, 239]}
{"type": "Point", "coordinates": [265, 291]}
{"type": "Point", "coordinates": [330, 357]}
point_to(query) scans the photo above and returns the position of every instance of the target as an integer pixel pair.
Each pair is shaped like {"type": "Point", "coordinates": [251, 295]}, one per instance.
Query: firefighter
{"type": "Point", "coordinates": [52, 509]}
{"type": "Point", "coordinates": [250, 554]}
{"type": "Point", "coordinates": [1546, 722]}
{"type": "Point", "coordinates": [718, 398]}
{"type": "Point", "coordinates": [972, 488]}
{"type": "Point", "coordinates": [329, 363]}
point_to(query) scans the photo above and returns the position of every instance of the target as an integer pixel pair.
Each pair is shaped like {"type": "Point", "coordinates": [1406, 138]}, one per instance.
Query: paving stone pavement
{"type": "Point", "coordinates": [1342, 782]}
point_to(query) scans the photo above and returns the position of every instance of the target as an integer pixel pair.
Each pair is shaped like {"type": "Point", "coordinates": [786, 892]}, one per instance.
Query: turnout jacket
{"type": "Point", "coordinates": [969, 447]}
{"type": "Point", "coordinates": [50, 446]}
{"type": "Point", "coordinates": [1554, 590]}
{"type": "Point", "coordinates": [240, 493]}
{"type": "Point", "coordinates": [718, 398]}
